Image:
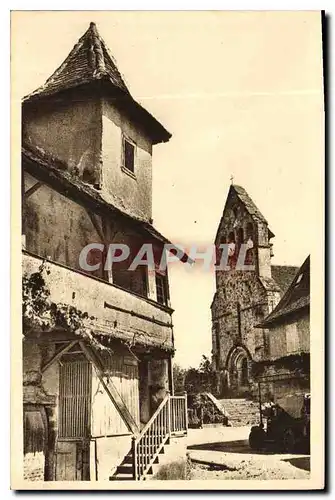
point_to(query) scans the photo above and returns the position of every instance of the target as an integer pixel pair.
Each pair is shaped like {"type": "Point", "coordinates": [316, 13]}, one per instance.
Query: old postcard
{"type": "Point", "coordinates": [168, 242]}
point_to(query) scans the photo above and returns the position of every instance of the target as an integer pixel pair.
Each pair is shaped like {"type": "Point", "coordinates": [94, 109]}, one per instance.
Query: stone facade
{"type": "Point", "coordinates": [243, 298]}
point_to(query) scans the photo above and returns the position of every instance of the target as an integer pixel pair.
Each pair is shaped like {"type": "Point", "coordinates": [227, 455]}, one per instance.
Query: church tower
{"type": "Point", "coordinates": [243, 297]}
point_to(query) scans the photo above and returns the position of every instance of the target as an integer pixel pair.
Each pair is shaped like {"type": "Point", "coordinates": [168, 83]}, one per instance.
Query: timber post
{"type": "Point", "coordinates": [186, 413]}
{"type": "Point", "coordinates": [134, 455]}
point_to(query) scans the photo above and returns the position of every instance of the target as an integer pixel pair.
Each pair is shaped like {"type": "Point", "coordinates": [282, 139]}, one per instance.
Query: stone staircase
{"type": "Point", "coordinates": [173, 449]}
{"type": "Point", "coordinates": [241, 411]}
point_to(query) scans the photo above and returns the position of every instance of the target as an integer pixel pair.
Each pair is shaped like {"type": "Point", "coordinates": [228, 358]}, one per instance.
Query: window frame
{"type": "Point", "coordinates": [126, 139]}
{"type": "Point", "coordinates": [165, 287]}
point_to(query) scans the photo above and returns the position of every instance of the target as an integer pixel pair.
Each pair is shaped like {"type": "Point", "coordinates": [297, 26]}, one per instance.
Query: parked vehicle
{"type": "Point", "coordinates": [284, 424]}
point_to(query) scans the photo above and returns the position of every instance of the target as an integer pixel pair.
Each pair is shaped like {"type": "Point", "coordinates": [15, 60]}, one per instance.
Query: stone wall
{"type": "Point", "coordinates": [236, 324]}
{"type": "Point", "coordinates": [33, 466]}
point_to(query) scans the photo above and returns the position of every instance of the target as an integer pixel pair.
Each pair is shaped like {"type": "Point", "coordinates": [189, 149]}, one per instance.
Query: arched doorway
{"type": "Point", "coordinates": [238, 366]}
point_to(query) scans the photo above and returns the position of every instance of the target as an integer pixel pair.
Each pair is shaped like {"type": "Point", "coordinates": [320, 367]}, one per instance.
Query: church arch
{"type": "Point", "coordinates": [238, 366]}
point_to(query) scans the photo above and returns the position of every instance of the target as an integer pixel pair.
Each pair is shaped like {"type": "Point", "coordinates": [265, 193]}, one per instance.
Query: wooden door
{"type": "Point", "coordinates": [75, 382]}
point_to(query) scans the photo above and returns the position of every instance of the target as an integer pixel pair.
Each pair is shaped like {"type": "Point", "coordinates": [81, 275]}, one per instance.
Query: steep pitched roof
{"type": "Point", "coordinates": [249, 205]}
{"type": "Point", "coordinates": [247, 202]}
{"type": "Point", "coordinates": [295, 299]}
{"type": "Point", "coordinates": [88, 62]}
{"type": "Point", "coordinates": [283, 276]}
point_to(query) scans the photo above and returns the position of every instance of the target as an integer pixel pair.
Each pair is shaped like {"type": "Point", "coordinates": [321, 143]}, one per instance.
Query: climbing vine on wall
{"type": "Point", "coordinates": [41, 313]}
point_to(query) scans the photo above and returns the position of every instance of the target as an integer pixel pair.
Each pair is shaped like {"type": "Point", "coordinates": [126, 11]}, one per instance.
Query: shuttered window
{"type": "Point", "coordinates": [74, 399]}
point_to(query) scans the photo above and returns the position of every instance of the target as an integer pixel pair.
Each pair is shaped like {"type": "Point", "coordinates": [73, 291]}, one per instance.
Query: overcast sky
{"type": "Point", "coordinates": [241, 93]}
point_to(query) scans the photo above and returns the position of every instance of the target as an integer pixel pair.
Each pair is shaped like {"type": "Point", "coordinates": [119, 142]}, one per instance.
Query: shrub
{"type": "Point", "coordinates": [173, 471]}
{"type": "Point", "coordinates": [194, 421]}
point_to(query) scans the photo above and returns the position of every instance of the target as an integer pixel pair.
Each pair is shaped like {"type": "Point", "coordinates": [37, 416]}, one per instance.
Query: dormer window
{"type": "Point", "coordinates": [128, 154]}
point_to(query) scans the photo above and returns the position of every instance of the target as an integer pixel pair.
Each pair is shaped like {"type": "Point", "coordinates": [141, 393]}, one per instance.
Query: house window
{"type": "Point", "coordinates": [161, 289]}
{"type": "Point", "coordinates": [139, 281]}
{"type": "Point", "coordinates": [135, 281]}
{"type": "Point", "coordinates": [128, 155]}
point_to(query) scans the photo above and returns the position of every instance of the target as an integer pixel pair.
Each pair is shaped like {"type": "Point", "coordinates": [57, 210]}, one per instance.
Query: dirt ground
{"type": "Point", "coordinates": [224, 453]}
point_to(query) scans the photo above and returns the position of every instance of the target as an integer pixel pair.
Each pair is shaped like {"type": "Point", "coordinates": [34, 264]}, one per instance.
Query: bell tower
{"type": "Point", "coordinates": [243, 223]}
{"type": "Point", "coordinates": [243, 296]}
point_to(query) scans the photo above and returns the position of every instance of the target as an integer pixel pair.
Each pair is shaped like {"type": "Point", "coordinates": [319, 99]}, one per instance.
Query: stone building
{"type": "Point", "coordinates": [97, 345]}
{"type": "Point", "coordinates": [243, 298]}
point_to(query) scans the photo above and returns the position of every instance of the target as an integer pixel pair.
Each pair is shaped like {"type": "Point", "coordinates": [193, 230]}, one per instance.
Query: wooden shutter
{"type": "Point", "coordinates": [74, 399]}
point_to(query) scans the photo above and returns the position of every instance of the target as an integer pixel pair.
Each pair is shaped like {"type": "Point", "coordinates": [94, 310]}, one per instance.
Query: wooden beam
{"type": "Point", "coordinates": [152, 319]}
{"type": "Point", "coordinates": [111, 391]}
{"type": "Point", "coordinates": [54, 337]}
{"type": "Point", "coordinates": [32, 190]}
{"type": "Point", "coordinates": [58, 355]}
{"type": "Point", "coordinates": [97, 226]}
{"type": "Point", "coordinates": [170, 375]}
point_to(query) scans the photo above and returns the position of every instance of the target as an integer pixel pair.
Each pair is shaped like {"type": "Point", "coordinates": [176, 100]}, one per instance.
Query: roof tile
{"type": "Point", "coordinates": [248, 203]}
{"type": "Point", "coordinates": [89, 60]}
{"type": "Point", "coordinates": [297, 297]}
{"type": "Point", "coordinates": [283, 276]}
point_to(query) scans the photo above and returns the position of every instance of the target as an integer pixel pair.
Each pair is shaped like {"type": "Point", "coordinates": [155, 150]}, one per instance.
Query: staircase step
{"type": "Point", "coordinates": [241, 411]}
{"type": "Point", "coordinates": [148, 448]}
{"type": "Point", "coordinates": [124, 469]}
{"type": "Point", "coordinates": [121, 477]}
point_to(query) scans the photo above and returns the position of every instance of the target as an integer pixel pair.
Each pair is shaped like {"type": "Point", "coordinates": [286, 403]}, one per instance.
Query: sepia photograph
{"type": "Point", "coordinates": [168, 226]}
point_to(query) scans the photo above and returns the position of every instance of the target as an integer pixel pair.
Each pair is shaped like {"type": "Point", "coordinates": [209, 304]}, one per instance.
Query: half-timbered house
{"type": "Point", "coordinates": [98, 343]}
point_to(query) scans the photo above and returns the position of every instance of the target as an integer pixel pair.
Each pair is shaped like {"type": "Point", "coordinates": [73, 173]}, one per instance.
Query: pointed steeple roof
{"type": "Point", "coordinates": [240, 193]}
{"type": "Point", "coordinates": [247, 202]}
{"type": "Point", "coordinates": [88, 62]}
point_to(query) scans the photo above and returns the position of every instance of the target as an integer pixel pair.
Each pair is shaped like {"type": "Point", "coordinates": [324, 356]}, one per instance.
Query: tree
{"type": "Point", "coordinates": [201, 379]}
{"type": "Point", "coordinates": [179, 378]}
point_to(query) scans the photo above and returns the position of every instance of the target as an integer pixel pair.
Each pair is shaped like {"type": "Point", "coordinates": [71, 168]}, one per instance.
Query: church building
{"type": "Point", "coordinates": [244, 298]}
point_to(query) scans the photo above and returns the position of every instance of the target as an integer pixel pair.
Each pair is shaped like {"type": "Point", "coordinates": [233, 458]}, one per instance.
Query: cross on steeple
{"type": "Point", "coordinates": [232, 179]}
